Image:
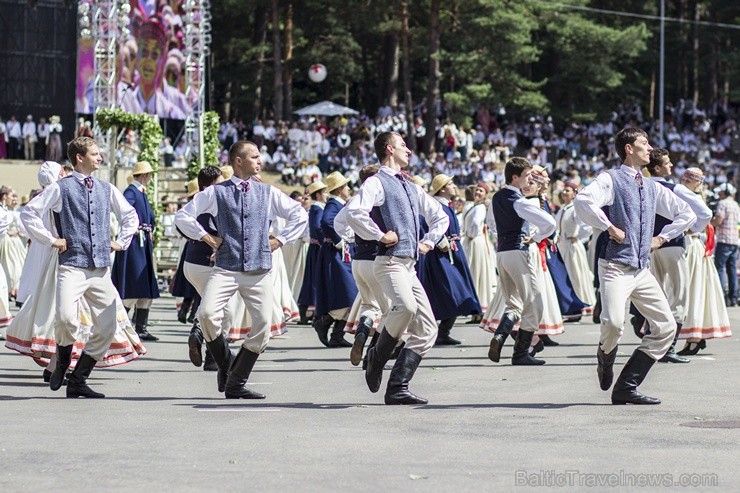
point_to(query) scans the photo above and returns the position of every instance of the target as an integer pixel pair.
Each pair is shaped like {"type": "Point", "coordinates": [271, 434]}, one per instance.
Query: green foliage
{"type": "Point", "coordinates": [211, 145]}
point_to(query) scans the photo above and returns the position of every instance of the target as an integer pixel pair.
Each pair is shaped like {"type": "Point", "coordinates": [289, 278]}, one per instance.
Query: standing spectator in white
{"type": "Point", "coordinates": [29, 139]}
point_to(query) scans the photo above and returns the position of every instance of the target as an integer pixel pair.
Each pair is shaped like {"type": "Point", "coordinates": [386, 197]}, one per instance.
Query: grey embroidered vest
{"type": "Point", "coordinates": [633, 211]}
{"type": "Point", "coordinates": [84, 222]}
{"type": "Point", "coordinates": [243, 223]}
{"type": "Point", "coordinates": [399, 213]}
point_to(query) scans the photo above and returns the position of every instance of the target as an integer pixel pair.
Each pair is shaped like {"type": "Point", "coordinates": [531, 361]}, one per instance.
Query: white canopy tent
{"type": "Point", "coordinates": [326, 108]}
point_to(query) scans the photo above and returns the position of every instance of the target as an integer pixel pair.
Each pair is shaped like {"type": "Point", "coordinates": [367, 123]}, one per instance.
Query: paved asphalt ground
{"type": "Point", "coordinates": [163, 425]}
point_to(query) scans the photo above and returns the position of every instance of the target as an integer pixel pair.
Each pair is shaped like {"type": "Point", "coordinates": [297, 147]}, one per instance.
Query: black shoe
{"type": "Point", "coordinates": [221, 352]}
{"type": "Point", "coordinates": [361, 334]}
{"type": "Point", "coordinates": [209, 364]}
{"type": "Point", "coordinates": [605, 367]}
{"type": "Point", "coordinates": [548, 341]}
{"type": "Point", "coordinates": [537, 348]}
{"type": "Point", "coordinates": [64, 358]}
{"type": "Point", "coordinates": [446, 341]}
{"type": "Point", "coordinates": [239, 374]}
{"type": "Point", "coordinates": [499, 337]}
{"type": "Point", "coordinates": [521, 356]}
{"type": "Point", "coordinates": [303, 320]}
{"type": "Point", "coordinates": [182, 312]}
{"type": "Point", "coordinates": [141, 318]}
{"type": "Point", "coordinates": [692, 348]}
{"type": "Point", "coordinates": [403, 371]}
{"type": "Point", "coordinates": [377, 357]}
{"type": "Point", "coordinates": [77, 384]}
{"type": "Point", "coordinates": [474, 320]}
{"type": "Point", "coordinates": [195, 344]}
{"type": "Point", "coordinates": [321, 326]}
{"type": "Point", "coordinates": [671, 356]}
{"type": "Point", "coordinates": [337, 335]}
{"type": "Point", "coordinates": [633, 373]}
{"type": "Point", "coordinates": [443, 333]}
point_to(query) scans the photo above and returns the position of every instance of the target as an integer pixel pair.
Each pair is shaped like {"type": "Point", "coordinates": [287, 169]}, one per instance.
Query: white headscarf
{"type": "Point", "coordinates": [49, 173]}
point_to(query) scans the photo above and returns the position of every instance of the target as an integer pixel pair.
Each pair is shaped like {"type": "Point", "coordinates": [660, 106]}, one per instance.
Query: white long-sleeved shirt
{"type": "Point", "coordinates": [5, 220]}
{"type": "Point", "coordinates": [51, 200]}
{"type": "Point", "coordinates": [279, 206]}
{"type": "Point", "coordinates": [341, 226]}
{"type": "Point", "coordinates": [570, 226]}
{"type": "Point", "coordinates": [29, 129]}
{"type": "Point", "coordinates": [700, 209]}
{"type": "Point", "coordinates": [372, 195]}
{"type": "Point", "coordinates": [474, 219]}
{"type": "Point", "coordinates": [544, 224]}
{"type": "Point", "coordinates": [600, 193]}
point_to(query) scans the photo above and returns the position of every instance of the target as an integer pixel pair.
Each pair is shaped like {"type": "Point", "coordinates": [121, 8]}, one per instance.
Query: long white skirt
{"type": "Point", "coordinates": [12, 257]}
{"type": "Point", "coordinates": [576, 263]}
{"type": "Point", "coordinates": [295, 263]}
{"type": "Point", "coordinates": [5, 315]}
{"type": "Point", "coordinates": [706, 314]}
{"type": "Point", "coordinates": [32, 331]}
{"type": "Point", "coordinates": [482, 261]}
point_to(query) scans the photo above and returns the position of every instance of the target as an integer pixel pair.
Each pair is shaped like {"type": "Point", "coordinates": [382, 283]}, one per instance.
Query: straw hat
{"type": "Point", "coordinates": [418, 180]}
{"type": "Point", "coordinates": [335, 180]}
{"type": "Point", "coordinates": [142, 168]}
{"type": "Point", "coordinates": [193, 187]}
{"type": "Point", "coordinates": [315, 187]}
{"type": "Point", "coordinates": [438, 183]}
{"type": "Point", "coordinates": [227, 172]}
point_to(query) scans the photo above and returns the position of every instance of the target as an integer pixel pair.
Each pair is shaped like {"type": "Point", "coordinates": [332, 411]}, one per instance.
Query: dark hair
{"type": "Point", "coordinates": [381, 141]}
{"type": "Point", "coordinates": [515, 167]}
{"type": "Point", "coordinates": [368, 171]}
{"type": "Point", "coordinates": [315, 195]}
{"type": "Point", "coordinates": [80, 145]}
{"type": "Point", "coordinates": [656, 159]}
{"type": "Point", "coordinates": [470, 192]}
{"type": "Point", "coordinates": [68, 168]}
{"type": "Point", "coordinates": [627, 135]}
{"type": "Point", "coordinates": [295, 195]}
{"type": "Point", "coordinates": [207, 176]}
{"type": "Point", "coordinates": [239, 149]}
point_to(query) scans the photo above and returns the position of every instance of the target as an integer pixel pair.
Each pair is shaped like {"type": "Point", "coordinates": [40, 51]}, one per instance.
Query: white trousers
{"type": "Point", "coordinates": [96, 287]}
{"type": "Point", "coordinates": [373, 301]}
{"type": "Point", "coordinates": [409, 307]}
{"type": "Point", "coordinates": [256, 291]}
{"type": "Point", "coordinates": [620, 284]}
{"type": "Point", "coordinates": [670, 266]}
{"type": "Point", "coordinates": [519, 280]}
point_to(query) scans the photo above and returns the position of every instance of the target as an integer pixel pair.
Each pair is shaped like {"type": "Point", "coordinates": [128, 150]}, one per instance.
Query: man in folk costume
{"type": "Point", "coordinates": [133, 269]}
{"type": "Point", "coordinates": [335, 287]}
{"type": "Point", "coordinates": [388, 212]}
{"type": "Point", "coordinates": [243, 207]}
{"type": "Point", "coordinates": [669, 263]}
{"type": "Point", "coordinates": [82, 205]}
{"type": "Point", "coordinates": [519, 278]}
{"type": "Point", "coordinates": [447, 281]}
{"type": "Point", "coordinates": [631, 205]}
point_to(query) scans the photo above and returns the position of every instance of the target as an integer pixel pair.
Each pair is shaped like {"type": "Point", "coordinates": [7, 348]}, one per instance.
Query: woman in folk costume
{"type": "Point", "coordinates": [295, 253]}
{"type": "Point", "coordinates": [447, 279]}
{"type": "Point", "coordinates": [706, 314]}
{"type": "Point", "coordinates": [479, 248]}
{"type": "Point", "coordinates": [335, 287]}
{"type": "Point", "coordinates": [133, 270]}
{"type": "Point", "coordinates": [5, 316]}
{"type": "Point", "coordinates": [571, 233]}
{"type": "Point", "coordinates": [307, 297]}
{"type": "Point", "coordinates": [571, 307]}
{"type": "Point", "coordinates": [32, 330]}
{"type": "Point", "coordinates": [12, 246]}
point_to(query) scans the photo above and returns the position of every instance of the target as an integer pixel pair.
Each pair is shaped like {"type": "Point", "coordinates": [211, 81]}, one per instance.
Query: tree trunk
{"type": "Point", "coordinates": [287, 69]}
{"type": "Point", "coordinates": [430, 119]}
{"type": "Point", "coordinates": [277, 62]}
{"type": "Point", "coordinates": [229, 86]}
{"type": "Point", "coordinates": [410, 129]}
{"type": "Point", "coordinates": [259, 40]}
{"type": "Point", "coordinates": [695, 52]}
{"type": "Point", "coordinates": [390, 68]}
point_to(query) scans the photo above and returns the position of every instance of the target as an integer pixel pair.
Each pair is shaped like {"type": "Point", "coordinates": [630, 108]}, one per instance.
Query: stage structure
{"type": "Point", "coordinates": [197, 48]}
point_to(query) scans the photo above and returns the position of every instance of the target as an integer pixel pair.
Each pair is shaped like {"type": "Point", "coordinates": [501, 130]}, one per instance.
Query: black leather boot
{"type": "Point", "coordinates": [403, 371]}
{"type": "Point", "coordinates": [195, 344]}
{"type": "Point", "coordinates": [209, 364]}
{"type": "Point", "coordinates": [605, 367]}
{"type": "Point", "coordinates": [337, 335]}
{"type": "Point", "coordinates": [443, 333]}
{"type": "Point", "coordinates": [362, 332]}
{"type": "Point", "coordinates": [46, 375]}
{"type": "Point", "coordinates": [77, 386]}
{"type": "Point", "coordinates": [377, 357]}
{"type": "Point", "coordinates": [633, 373]}
{"type": "Point", "coordinates": [194, 309]}
{"type": "Point", "coordinates": [221, 352]}
{"type": "Point", "coordinates": [321, 326]}
{"type": "Point", "coordinates": [671, 356]}
{"type": "Point", "coordinates": [239, 374]}
{"type": "Point", "coordinates": [302, 309]}
{"type": "Point", "coordinates": [638, 321]}
{"type": "Point", "coordinates": [499, 337]}
{"type": "Point", "coordinates": [182, 312]}
{"type": "Point", "coordinates": [373, 343]}
{"type": "Point", "coordinates": [597, 308]}
{"type": "Point", "coordinates": [64, 358]}
{"type": "Point", "coordinates": [142, 317]}
{"type": "Point", "coordinates": [521, 354]}
{"type": "Point", "coordinates": [548, 341]}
